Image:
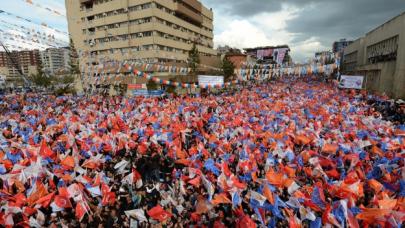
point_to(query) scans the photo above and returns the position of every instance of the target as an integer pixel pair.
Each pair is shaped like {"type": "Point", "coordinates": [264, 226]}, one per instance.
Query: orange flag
{"type": "Point", "coordinates": [268, 194]}
{"type": "Point", "coordinates": [329, 148]}
{"type": "Point", "coordinates": [276, 179]}
{"type": "Point", "coordinates": [221, 198]}
{"type": "Point", "coordinates": [302, 140]}
{"type": "Point", "coordinates": [387, 203]}
{"type": "Point", "coordinates": [68, 161]}
{"type": "Point", "coordinates": [196, 182]}
{"type": "Point", "coordinates": [371, 214]}
{"type": "Point", "coordinates": [375, 185]}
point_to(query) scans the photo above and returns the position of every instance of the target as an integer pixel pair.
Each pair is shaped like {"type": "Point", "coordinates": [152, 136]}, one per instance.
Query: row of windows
{"type": "Point", "coordinates": [137, 8]}
{"type": "Point", "coordinates": [199, 40]}
{"type": "Point", "coordinates": [139, 21]}
{"type": "Point", "coordinates": [386, 47]}
{"type": "Point", "coordinates": [352, 57]}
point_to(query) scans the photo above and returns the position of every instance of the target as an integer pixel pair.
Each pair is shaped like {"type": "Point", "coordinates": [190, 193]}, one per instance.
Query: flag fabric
{"type": "Point", "coordinates": [159, 214]}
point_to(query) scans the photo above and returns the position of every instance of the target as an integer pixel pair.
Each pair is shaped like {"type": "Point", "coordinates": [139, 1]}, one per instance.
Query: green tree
{"type": "Point", "coordinates": [41, 80]}
{"type": "Point", "coordinates": [193, 58]}
{"type": "Point", "coordinates": [228, 68]}
{"type": "Point", "coordinates": [73, 59]}
{"type": "Point", "coordinates": [152, 85]}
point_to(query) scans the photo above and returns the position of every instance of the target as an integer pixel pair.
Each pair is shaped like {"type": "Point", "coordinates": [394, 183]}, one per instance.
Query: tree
{"type": "Point", "coordinates": [73, 59]}
{"type": "Point", "coordinates": [228, 68]}
{"type": "Point", "coordinates": [152, 85]}
{"type": "Point", "coordinates": [40, 79]}
{"type": "Point", "coordinates": [193, 58]}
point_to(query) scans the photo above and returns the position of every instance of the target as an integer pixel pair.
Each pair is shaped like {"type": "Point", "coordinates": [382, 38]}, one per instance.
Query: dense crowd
{"type": "Point", "coordinates": [273, 155]}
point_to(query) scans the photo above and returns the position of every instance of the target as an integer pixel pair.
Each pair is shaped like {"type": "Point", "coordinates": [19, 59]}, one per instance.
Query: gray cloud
{"type": "Point", "coordinates": [331, 20]}
{"type": "Point", "coordinates": [325, 20]}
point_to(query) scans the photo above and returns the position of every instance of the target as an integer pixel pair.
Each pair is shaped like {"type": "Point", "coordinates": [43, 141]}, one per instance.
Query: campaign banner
{"type": "Point", "coordinates": [207, 80]}
{"type": "Point", "coordinates": [148, 93]}
{"type": "Point", "coordinates": [136, 86]}
{"type": "Point", "coordinates": [351, 82]}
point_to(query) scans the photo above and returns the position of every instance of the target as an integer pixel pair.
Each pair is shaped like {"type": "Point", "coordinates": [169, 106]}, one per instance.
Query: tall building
{"type": "Point", "coordinates": [380, 57]}
{"type": "Point", "coordinates": [27, 61]}
{"type": "Point", "coordinates": [139, 30]}
{"type": "Point", "coordinates": [339, 46]}
{"type": "Point", "coordinates": [55, 60]}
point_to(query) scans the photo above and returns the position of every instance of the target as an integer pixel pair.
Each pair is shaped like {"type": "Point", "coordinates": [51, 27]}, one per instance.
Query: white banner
{"type": "Point", "coordinates": [351, 82]}
{"type": "Point", "coordinates": [206, 80]}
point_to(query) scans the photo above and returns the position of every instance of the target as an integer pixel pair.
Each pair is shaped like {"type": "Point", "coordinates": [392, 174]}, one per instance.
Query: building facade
{"type": "Point", "coordinates": [55, 60]}
{"type": "Point", "coordinates": [380, 57]}
{"type": "Point", "coordinates": [27, 61]}
{"type": "Point", "coordinates": [339, 46]}
{"type": "Point", "coordinates": [139, 30]}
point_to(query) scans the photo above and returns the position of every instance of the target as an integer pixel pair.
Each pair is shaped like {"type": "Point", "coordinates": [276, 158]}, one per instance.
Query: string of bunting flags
{"type": "Point", "coordinates": [105, 72]}
{"type": "Point", "coordinates": [33, 22]}
{"type": "Point", "coordinates": [30, 2]}
{"type": "Point", "coordinates": [33, 32]}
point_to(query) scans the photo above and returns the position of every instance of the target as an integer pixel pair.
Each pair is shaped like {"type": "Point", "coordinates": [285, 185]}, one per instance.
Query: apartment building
{"type": "Point", "coordinates": [27, 61]}
{"type": "Point", "coordinates": [139, 30]}
{"type": "Point", "coordinates": [55, 60]}
{"type": "Point", "coordinates": [379, 56]}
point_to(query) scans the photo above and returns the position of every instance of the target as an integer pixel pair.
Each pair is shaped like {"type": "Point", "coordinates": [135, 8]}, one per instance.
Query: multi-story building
{"type": "Point", "coordinates": [27, 61]}
{"type": "Point", "coordinates": [339, 46]}
{"type": "Point", "coordinates": [324, 57]}
{"type": "Point", "coordinates": [139, 30]}
{"type": "Point", "coordinates": [55, 60]}
{"type": "Point", "coordinates": [380, 58]}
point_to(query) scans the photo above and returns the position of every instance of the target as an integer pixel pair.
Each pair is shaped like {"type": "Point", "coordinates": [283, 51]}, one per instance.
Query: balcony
{"type": "Point", "coordinates": [86, 1]}
{"type": "Point", "coordinates": [194, 4]}
{"type": "Point", "coordinates": [183, 12]}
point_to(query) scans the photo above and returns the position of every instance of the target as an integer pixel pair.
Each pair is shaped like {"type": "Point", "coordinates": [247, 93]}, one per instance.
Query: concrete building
{"type": "Point", "coordinates": [339, 46]}
{"type": "Point", "coordinates": [55, 60]}
{"type": "Point", "coordinates": [139, 30]}
{"type": "Point", "coordinates": [27, 61]}
{"type": "Point", "coordinates": [380, 57]}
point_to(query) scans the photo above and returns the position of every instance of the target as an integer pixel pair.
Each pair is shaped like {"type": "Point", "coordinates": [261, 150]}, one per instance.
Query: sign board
{"type": "Point", "coordinates": [206, 80]}
{"type": "Point", "coordinates": [146, 93]}
{"type": "Point", "coordinates": [351, 82]}
{"type": "Point", "coordinates": [136, 86]}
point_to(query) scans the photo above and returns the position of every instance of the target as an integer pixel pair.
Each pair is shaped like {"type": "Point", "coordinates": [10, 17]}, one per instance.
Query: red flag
{"type": "Point", "coordinates": [45, 151]}
{"type": "Point", "coordinates": [196, 182]}
{"type": "Point", "coordinates": [245, 222]}
{"type": "Point", "coordinates": [46, 200]}
{"type": "Point", "coordinates": [80, 211]}
{"type": "Point", "coordinates": [108, 199]}
{"type": "Point", "coordinates": [159, 214]}
{"type": "Point", "coordinates": [62, 202]}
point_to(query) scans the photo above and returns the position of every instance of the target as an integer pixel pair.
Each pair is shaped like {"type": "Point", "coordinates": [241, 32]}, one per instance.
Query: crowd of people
{"type": "Point", "coordinates": [296, 154]}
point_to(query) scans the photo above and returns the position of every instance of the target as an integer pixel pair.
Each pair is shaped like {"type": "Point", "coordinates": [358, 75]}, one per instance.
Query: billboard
{"type": "Point", "coordinates": [351, 82]}
{"type": "Point", "coordinates": [207, 80]}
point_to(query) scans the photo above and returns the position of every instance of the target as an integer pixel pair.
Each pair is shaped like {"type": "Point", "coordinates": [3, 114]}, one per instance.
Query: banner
{"type": "Point", "coordinates": [351, 82]}
{"type": "Point", "coordinates": [136, 86]}
{"type": "Point", "coordinates": [206, 80]}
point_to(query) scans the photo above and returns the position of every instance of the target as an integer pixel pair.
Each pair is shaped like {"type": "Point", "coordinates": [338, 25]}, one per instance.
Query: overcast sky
{"type": "Point", "coordinates": [306, 25]}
